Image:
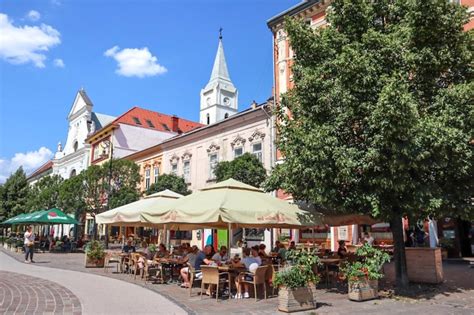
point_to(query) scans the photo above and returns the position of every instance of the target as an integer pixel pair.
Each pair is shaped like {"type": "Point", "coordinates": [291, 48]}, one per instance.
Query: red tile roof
{"type": "Point", "coordinates": [145, 118]}
{"type": "Point", "coordinates": [43, 168]}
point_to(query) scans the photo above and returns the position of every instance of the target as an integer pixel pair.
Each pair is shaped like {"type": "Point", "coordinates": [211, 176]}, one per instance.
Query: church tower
{"type": "Point", "coordinates": [219, 97]}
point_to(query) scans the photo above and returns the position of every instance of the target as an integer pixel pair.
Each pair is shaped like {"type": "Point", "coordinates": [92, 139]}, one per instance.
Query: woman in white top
{"type": "Point", "coordinates": [29, 244]}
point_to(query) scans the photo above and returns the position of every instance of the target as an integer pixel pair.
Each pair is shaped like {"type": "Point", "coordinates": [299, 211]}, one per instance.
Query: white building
{"type": "Point", "coordinates": [74, 156]}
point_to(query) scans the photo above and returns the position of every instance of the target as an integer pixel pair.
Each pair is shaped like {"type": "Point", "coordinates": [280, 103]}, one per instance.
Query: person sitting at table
{"type": "Point", "coordinates": [201, 259]}
{"type": "Point", "coordinates": [189, 258]}
{"type": "Point", "coordinates": [221, 256]}
{"type": "Point", "coordinates": [282, 251]}
{"type": "Point", "coordinates": [342, 250]}
{"type": "Point", "coordinates": [368, 239]}
{"type": "Point", "coordinates": [261, 251]}
{"type": "Point", "coordinates": [162, 252]}
{"type": "Point", "coordinates": [250, 261]}
{"type": "Point", "coordinates": [292, 246]}
{"type": "Point", "coordinates": [128, 248]}
{"type": "Point", "coordinates": [277, 247]}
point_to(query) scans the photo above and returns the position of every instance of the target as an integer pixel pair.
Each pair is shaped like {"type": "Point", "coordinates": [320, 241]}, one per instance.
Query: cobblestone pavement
{"type": "Point", "coordinates": [455, 296]}
{"type": "Point", "coordinates": [21, 294]}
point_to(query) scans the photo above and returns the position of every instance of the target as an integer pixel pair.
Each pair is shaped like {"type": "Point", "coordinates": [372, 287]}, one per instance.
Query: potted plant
{"type": "Point", "coordinates": [19, 246]}
{"type": "Point", "coordinates": [297, 282]}
{"type": "Point", "coordinates": [8, 243]}
{"type": "Point", "coordinates": [363, 275]}
{"type": "Point", "coordinates": [446, 245]}
{"type": "Point", "coordinates": [95, 255]}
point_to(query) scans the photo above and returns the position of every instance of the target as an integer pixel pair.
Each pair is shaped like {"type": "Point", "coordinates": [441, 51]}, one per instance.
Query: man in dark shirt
{"type": "Point", "coordinates": [201, 258]}
{"type": "Point", "coordinates": [128, 248]}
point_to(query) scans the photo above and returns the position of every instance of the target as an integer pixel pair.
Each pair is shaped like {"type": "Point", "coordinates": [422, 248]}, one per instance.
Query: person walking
{"type": "Point", "coordinates": [29, 244]}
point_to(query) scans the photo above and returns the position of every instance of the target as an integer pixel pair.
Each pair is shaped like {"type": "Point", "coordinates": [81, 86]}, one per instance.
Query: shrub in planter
{"type": "Point", "coordinates": [363, 275]}
{"type": "Point", "coordinates": [447, 245]}
{"type": "Point", "coordinates": [95, 254]}
{"type": "Point", "coordinates": [297, 282]}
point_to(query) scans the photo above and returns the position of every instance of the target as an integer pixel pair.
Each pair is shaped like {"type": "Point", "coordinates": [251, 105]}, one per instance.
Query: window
{"type": "Point", "coordinates": [76, 145]}
{"type": "Point", "coordinates": [136, 120]}
{"type": "Point", "coordinates": [149, 123]}
{"type": "Point", "coordinates": [208, 119]}
{"type": "Point", "coordinates": [212, 165]}
{"type": "Point", "coordinates": [257, 151]}
{"type": "Point", "coordinates": [73, 173]}
{"type": "Point", "coordinates": [174, 169]}
{"type": "Point", "coordinates": [156, 174]}
{"type": "Point", "coordinates": [238, 152]}
{"type": "Point", "coordinates": [165, 126]}
{"type": "Point", "coordinates": [186, 171]}
{"type": "Point", "coordinates": [226, 115]}
{"type": "Point", "coordinates": [147, 178]}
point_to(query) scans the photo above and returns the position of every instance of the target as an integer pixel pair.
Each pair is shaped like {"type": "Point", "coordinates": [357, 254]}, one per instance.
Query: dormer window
{"type": "Point", "coordinates": [149, 123]}
{"type": "Point", "coordinates": [136, 120]}
{"type": "Point", "coordinates": [165, 126]}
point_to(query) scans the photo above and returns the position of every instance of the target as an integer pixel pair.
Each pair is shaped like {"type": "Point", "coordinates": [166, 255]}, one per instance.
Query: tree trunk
{"type": "Point", "coordinates": [401, 275]}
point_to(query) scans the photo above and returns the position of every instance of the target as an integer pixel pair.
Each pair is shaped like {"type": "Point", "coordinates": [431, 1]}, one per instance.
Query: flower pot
{"type": "Point", "coordinates": [94, 263]}
{"type": "Point", "coordinates": [295, 300]}
{"type": "Point", "coordinates": [363, 289]}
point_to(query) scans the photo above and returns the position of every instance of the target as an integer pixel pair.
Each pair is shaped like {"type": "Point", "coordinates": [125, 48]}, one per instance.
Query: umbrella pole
{"type": "Point", "coordinates": [229, 236]}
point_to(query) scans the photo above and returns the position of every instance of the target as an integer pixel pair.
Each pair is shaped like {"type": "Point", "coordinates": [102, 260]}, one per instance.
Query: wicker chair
{"type": "Point", "coordinates": [192, 277]}
{"type": "Point", "coordinates": [111, 258]}
{"type": "Point", "coordinates": [259, 277]}
{"type": "Point", "coordinates": [212, 276]}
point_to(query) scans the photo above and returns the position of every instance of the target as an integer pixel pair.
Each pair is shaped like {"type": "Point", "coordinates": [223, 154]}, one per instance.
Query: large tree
{"type": "Point", "coordinates": [171, 182]}
{"type": "Point", "coordinates": [15, 194]}
{"type": "Point", "coordinates": [245, 168]}
{"type": "Point", "coordinates": [44, 194]}
{"type": "Point", "coordinates": [382, 113]}
{"type": "Point", "coordinates": [72, 198]}
{"type": "Point", "coordinates": [122, 178]}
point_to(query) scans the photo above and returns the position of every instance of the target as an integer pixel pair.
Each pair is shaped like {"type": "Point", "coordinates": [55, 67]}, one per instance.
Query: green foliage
{"type": "Point", "coordinates": [171, 182]}
{"type": "Point", "coordinates": [152, 248]}
{"type": "Point", "coordinates": [382, 111]}
{"type": "Point", "coordinates": [94, 250]}
{"type": "Point", "coordinates": [369, 264]}
{"type": "Point", "coordinates": [245, 168]}
{"type": "Point", "coordinates": [446, 243]}
{"type": "Point", "coordinates": [44, 194]}
{"type": "Point", "coordinates": [72, 196]}
{"type": "Point", "coordinates": [299, 273]}
{"type": "Point", "coordinates": [14, 195]}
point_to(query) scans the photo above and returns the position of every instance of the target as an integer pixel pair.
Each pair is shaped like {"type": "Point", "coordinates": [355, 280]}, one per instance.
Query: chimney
{"type": "Point", "coordinates": [174, 124]}
{"type": "Point", "coordinates": [254, 105]}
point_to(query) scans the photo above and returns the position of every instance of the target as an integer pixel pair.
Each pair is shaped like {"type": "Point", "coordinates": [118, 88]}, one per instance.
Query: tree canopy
{"type": "Point", "coordinates": [14, 194]}
{"type": "Point", "coordinates": [382, 112]}
{"type": "Point", "coordinates": [245, 168]}
{"type": "Point", "coordinates": [171, 182]}
{"type": "Point", "coordinates": [44, 194]}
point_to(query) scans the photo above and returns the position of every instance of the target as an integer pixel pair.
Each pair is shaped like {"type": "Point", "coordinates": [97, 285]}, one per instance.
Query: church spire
{"type": "Point", "coordinates": [219, 71]}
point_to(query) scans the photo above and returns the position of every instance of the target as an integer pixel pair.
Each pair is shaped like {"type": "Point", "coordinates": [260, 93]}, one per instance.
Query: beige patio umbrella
{"type": "Point", "coordinates": [129, 214]}
{"type": "Point", "coordinates": [232, 204]}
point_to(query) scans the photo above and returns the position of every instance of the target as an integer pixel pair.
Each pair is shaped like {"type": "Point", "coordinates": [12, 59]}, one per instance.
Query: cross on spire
{"type": "Point", "coordinates": [220, 32]}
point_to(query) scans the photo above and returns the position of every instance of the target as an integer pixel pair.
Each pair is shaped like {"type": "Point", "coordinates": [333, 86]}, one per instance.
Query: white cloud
{"type": "Point", "coordinates": [58, 63]}
{"type": "Point", "coordinates": [30, 162]}
{"type": "Point", "coordinates": [33, 15]}
{"type": "Point", "coordinates": [23, 44]}
{"type": "Point", "coordinates": [135, 62]}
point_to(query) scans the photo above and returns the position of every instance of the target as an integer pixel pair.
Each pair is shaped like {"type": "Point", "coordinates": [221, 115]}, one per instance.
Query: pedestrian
{"type": "Point", "coordinates": [29, 244]}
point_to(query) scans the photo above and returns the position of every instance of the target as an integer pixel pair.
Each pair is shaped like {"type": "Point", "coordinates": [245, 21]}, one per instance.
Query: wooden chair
{"type": "Point", "coordinates": [270, 277]}
{"type": "Point", "coordinates": [258, 278]}
{"type": "Point", "coordinates": [152, 272]}
{"type": "Point", "coordinates": [212, 276]}
{"type": "Point", "coordinates": [111, 258]}
{"type": "Point", "coordinates": [133, 264]}
{"type": "Point", "coordinates": [192, 277]}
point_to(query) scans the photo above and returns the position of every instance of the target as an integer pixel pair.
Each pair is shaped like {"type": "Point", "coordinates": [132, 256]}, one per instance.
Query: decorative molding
{"type": "Point", "coordinates": [257, 135]}
{"type": "Point", "coordinates": [238, 141]}
{"type": "Point", "coordinates": [213, 148]}
{"type": "Point", "coordinates": [174, 159]}
{"type": "Point", "coordinates": [186, 156]}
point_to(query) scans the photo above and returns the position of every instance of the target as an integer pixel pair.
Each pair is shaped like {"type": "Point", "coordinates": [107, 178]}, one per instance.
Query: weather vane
{"type": "Point", "coordinates": [220, 33]}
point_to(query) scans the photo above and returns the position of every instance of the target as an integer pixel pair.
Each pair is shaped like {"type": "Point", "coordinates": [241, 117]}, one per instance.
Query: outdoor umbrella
{"type": "Point", "coordinates": [16, 219]}
{"type": "Point", "coordinates": [51, 216]}
{"type": "Point", "coordinates": [129, 214]}
{"type": "Point", "coordinates": [232, 204]}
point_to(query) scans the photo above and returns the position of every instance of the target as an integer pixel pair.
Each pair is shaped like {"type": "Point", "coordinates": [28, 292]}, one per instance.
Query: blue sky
{"type": "Point", "coordinates": [63, 48]}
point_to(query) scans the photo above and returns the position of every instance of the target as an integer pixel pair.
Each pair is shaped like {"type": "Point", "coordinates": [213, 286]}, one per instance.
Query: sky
{"type": "Point", "coordinates": [153, 54]}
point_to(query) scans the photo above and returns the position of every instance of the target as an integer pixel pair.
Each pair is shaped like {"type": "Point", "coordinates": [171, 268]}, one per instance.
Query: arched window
{"type": "Point", "coordinates": [226, 115]}
{"type": "Point", "coordinates": [75, 146]}
{"type": "Point", "coordinates": [208, 119]}
{"type": "Point", "coordinates": [73, 173]}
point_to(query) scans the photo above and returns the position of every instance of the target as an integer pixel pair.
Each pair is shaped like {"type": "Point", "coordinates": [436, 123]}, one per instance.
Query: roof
{"type": "Point", "coordinates": [145, 118]}
{"type": "Point", "coordinates": [43, 168]}
{"type": "Point", "coordinates": [219, 70]}
{"type": "Point", "coordinates": [291, 11]}
{"type": "Point", "coordinates": [86, 98]}
{"type": "Point", "coordinates": [101, 120]}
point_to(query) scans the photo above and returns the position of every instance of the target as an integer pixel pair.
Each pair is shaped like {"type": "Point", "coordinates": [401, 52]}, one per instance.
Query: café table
{"type": "Point", "coordinates": [170, 265]}
{"type": "Point", "coordinates": [233, 272]}
{"type": "Point", "coordinates": [327, 262]}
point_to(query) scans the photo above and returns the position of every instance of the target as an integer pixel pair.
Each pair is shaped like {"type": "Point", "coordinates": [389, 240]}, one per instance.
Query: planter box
{"type": "Point", "coordinates": [363, 290]}
{"type": "Point", "coordinates": [424, 265]}
{"type": "Point", "coordinates": [94, 263]}
{"type": "Point", "coordinates": [295, 300]}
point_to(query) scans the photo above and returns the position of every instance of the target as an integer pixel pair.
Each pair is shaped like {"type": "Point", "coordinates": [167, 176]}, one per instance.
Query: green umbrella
{"type": "Point", "coordinates": [16, 219]}
{"type": "Point", "coordinates": [51, 216]}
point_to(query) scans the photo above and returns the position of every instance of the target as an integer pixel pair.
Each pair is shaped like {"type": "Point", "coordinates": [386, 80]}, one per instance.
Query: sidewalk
{"type": "Point", "coordinates": [97, 294]}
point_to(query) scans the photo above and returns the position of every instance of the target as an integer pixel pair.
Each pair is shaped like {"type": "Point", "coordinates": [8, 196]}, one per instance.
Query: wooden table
{"type": "Point", "coordinates": [327, 262]}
